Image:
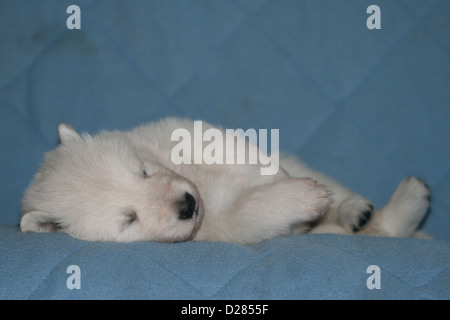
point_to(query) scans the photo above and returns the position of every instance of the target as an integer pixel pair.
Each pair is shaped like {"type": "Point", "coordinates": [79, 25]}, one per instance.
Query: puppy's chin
{"type": "Point", "coordinates": [197, 224]}
{"type": "Point", "coordinates": [187, 237]}
{"type": "Point", "coordinates": [178, 239]}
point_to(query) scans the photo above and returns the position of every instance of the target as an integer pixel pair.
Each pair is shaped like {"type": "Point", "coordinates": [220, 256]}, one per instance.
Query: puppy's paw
{"type": "Point", "coordinates": [412, 199]}
{"type": "Point", "coordinates": [413, 190]}
{"type": "Point", "coordinates": [403, 214]}
{"type": "Point", "coordinates": [355, 212]}
{"type": "Point", "coordinates": [311, 198]}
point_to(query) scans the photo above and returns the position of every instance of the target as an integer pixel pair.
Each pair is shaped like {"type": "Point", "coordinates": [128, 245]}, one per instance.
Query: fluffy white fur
{"type": "Point", "coordinates": [123, 186]}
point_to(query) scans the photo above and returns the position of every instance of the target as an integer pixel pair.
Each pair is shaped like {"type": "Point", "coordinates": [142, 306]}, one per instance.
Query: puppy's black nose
{"type": "Point", "coordinates": [186, 207]}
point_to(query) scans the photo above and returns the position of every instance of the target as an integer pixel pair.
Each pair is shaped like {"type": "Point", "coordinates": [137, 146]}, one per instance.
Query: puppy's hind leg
{"type": "Point", "coordinates": [270, 210]}
{"type": "Point", "coordinates": [403, 214]}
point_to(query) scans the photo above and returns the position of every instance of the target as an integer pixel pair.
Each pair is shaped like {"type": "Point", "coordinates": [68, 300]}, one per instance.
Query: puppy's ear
{"type": "Point", "coordinates": [67, 133]}
{"type": "Point", "coordinates": [36, 221]}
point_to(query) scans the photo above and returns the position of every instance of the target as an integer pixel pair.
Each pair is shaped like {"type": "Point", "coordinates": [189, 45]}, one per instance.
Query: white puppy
{"type": "Point", "coordinates": [124, 186]}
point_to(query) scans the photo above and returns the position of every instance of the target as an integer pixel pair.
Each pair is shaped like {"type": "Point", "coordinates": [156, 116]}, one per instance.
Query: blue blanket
{"type": "Point", "coordinates": [365, 106]}
{"type": "Point", "coordinates": [297, 267]}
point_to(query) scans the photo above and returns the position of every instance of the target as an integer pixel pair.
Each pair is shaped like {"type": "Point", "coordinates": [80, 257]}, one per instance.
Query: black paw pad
{"type": "Point", "coordinates": [364, 218]}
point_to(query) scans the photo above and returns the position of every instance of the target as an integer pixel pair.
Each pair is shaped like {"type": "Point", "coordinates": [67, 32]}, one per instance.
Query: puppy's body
{"type": "Point", "coordinates": [124, 186]}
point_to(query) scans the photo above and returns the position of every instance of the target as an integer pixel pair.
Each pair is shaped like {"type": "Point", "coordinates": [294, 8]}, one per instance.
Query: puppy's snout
{"type": "Point", "coordinates": [187, 207]}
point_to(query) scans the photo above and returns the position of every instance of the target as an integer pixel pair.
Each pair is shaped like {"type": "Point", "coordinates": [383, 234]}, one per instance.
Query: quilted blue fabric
{"type": "Point", "coordinates": [297, 267]}
{"type": "Point", "coordinates": [367, 107]}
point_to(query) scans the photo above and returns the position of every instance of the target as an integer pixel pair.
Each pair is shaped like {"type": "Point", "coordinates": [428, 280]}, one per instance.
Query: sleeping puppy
{"type": "Point", "coordinates": [126, 186]}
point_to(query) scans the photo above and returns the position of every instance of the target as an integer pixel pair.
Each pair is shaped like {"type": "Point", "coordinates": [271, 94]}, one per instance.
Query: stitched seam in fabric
{"type": "Point", "coordinates": [168, 270]}
{"type": "Point", "coordinates": [43, 280]}
{"type": "Point", "coordinates": [266, 255]}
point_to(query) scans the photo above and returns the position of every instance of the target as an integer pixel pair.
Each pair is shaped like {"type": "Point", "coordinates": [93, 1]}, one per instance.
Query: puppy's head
{"type": "Point", "coordinates": [104, 188]}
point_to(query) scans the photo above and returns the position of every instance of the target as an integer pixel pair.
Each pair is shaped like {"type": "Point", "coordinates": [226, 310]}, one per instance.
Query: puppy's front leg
{"type": "Point", "coordinates": [270, 210]}
{"type": "Point", "coordinates": [348, 212]}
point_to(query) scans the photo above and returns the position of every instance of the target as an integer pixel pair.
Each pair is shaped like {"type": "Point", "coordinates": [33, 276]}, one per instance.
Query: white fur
{"type": "Point", "coordinates": [123, 186]}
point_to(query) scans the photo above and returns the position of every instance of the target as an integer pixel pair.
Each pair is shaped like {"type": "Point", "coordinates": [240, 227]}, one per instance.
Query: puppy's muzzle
{"type": "Point", "coordinates": [187, 207]}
